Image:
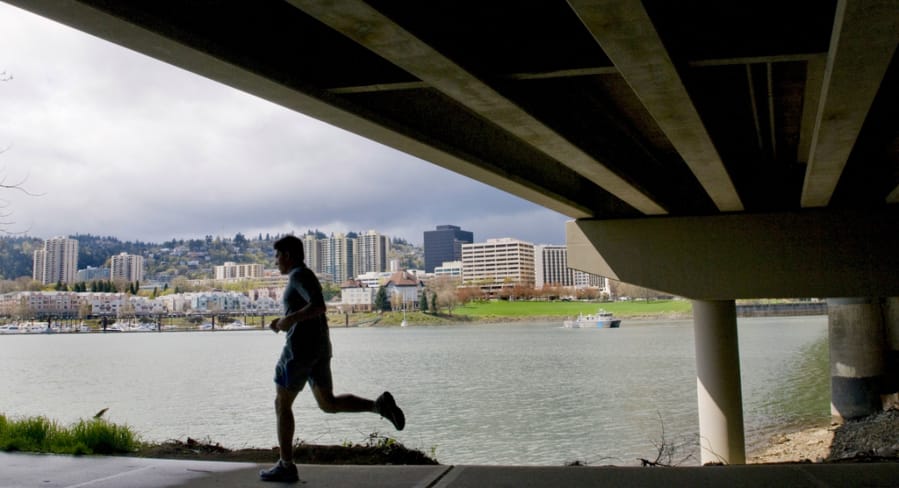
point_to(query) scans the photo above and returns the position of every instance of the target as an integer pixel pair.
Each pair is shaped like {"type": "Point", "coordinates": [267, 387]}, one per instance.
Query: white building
{"type": "Point", "coordinates": [57, 261]}
{"type": "Point", "coordinates": [218, 301]}
{"type": "Point", "coordinates": [234, 272]}
{"type": "Point", "coordinates": [403, 290]}
{"type": "Point", "coordinates": [126, 267]}
{"type": "Point", "coordinates": [498, 263]}
{"type": "Point", "coordinates": [374, 279]}
{"type": "Point", "coordinates": [356, 296]}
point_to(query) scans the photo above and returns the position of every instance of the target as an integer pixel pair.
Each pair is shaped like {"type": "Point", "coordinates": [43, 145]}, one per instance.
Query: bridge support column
{"type": "Point", "coordinates": [857, 353]}
{"type": "Point", "coordinates": [891, 369]}
{"type": "Point", "coordinates": [721, 436]}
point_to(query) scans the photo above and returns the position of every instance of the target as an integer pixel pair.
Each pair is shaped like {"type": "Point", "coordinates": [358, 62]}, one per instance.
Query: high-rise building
{"type": "Point", "coordinates": [444, 244]}
{"type": "Point", "coordinates": [57, 261]}
{"type": "Point", "coordinates": [126, 267]}
{"type": "Point", "coordinates": [312, 249]}
{"type": "Point", "coordinates": [498, 263]}
{"type": "Point", "coordinates": [338, 256]}
{"type": "Point", "coordinates": [371, 253]}
{"type": "Point", "coordinates": [551, 268]}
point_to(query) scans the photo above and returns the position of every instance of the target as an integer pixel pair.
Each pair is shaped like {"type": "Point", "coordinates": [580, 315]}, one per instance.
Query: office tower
{"type": "Point", "coordinates": [444, 244]}
{"type": "Point", "coordinates": [498, 263]}
{"type": "Point", "coordinates": [57, 261]}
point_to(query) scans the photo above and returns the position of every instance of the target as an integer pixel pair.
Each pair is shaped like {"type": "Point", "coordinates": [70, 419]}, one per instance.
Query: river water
{"type": "Point", "coordinates": [523, 393]}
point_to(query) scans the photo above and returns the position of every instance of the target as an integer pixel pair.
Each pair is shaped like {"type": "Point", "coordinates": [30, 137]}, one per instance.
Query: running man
{"type": "Point", "coordinates": [306, 358]}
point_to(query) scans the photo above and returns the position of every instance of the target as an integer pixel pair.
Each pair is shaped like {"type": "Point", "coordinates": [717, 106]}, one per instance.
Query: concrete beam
{"type": "Point", "coordinates": [625, 32]}
{"type": "Point", "coordinates": [376, 32]}
{"type": "Point", "coordinates": [805, 254]}
{"type": "Point", "coordinates": [864, 38]}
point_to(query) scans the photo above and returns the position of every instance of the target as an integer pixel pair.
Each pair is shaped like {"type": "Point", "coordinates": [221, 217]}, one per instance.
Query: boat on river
{"type": "Point", "coordinates": [12, 329]}
{"type": "Point", "coordinates": [601, 319]}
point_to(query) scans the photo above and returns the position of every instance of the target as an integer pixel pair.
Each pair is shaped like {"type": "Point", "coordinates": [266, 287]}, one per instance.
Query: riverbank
{"type": "Point", "coordinates": [499, 311]}
{"type": "Point", "coordinates": [874, 438]}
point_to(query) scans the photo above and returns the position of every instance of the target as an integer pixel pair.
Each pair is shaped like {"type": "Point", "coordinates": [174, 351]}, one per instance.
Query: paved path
{"type": "Point", "coordinates": [36, 470]}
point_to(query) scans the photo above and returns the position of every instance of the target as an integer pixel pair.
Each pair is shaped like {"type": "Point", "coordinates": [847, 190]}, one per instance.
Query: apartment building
{"type": "Point", "coordinates": [231, 271]}
{"type": "Point", "coordinates": [371, 253]}
{"type": "Point", "coordinates": [57, 261]}
{"type": "Point", "coordinates": [126, 267]}
{"type": "Point", "coordinates": [338, 256]}
{"type": "Point", "coordinates": [312, 251]}
{"type": "Point", "coordinates": [498, 263]}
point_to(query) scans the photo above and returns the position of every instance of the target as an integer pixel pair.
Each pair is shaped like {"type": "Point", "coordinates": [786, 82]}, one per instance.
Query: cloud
{"type": "Point", "coordinates": [121, 144]}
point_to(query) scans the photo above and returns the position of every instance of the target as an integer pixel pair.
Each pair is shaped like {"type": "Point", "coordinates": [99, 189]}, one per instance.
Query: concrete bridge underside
{"type": "Point", "coordinates": [714, 150]}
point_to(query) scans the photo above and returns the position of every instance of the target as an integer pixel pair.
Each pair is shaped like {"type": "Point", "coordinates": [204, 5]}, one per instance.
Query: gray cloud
{"type": "Point", "coordinates": [120, 144]}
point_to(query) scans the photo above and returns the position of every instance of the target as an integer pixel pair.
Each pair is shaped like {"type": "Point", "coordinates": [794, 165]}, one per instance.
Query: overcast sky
{"type": "Point", "coordinates": [115, 143]}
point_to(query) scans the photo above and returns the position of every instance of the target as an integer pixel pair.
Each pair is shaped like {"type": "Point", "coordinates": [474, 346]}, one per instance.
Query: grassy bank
{"type": "Point", "coordinates": [503, 311]}
{"type": "Point", "coordinates": [40, 434]}
{"type": "Point", "coordinates": [560, 309]}
{"type": "Point", "coordinates": [97, 436]}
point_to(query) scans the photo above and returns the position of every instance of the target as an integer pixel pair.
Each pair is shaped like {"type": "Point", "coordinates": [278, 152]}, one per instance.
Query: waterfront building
{"type": "Point", "coordinates": [57, 261]}
{"type": "Point", "coordinates": [403, 290]}
{"type": "Point", "coordinates": [357, 296]}
{"type": "Point", "coordinates": [61, 304]}
{"type": "Point", "coordinates": [444, 244]}
{"type": "Point", "coordinates": [498, 263]}
{"type": "Point", "coordinates": [218, 301]}
{"type": "Point", "coordinates": [233, 272]}
{"type": "Point", "coordinates": [126, 267]}
{"type": "Point", "coordinates": [551, 268]}
{"type": "Point", "coordinates": [449, 268]}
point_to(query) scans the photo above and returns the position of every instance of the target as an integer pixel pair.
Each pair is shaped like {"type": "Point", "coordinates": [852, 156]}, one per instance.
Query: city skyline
{"type": "Point", "coordinates": [111, 142]}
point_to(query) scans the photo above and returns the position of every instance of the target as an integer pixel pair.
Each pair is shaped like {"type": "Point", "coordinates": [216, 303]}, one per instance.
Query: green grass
{"type": "Point", "coordinates": [501, 308]}
{"type": "Point", "coordinates": [40, 434]}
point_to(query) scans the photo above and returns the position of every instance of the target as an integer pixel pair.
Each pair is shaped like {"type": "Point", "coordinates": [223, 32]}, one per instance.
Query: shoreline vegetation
{"type": "Point", "coordinates": [871, 439]}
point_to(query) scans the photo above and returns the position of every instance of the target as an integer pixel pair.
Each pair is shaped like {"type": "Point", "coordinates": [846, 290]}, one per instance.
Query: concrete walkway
{"type": "Point", "coordinates": [36, 470]}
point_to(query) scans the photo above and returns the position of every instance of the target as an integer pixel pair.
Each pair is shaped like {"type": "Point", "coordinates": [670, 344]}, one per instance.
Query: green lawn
{"type": "Point", "coordinates": [501, 308]}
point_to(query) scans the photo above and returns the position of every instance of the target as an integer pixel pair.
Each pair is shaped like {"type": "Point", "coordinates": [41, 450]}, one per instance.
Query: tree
{"type": "Point", "coordinates": [381, 302]}
{"type": "Point", "coordinates": [423, 301]}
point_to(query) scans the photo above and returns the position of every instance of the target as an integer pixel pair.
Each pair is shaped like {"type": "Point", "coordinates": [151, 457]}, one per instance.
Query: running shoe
{"type": "Point", "coordinates": [386, 406]}
{"type": "Point", "coordinates": [280, 472]}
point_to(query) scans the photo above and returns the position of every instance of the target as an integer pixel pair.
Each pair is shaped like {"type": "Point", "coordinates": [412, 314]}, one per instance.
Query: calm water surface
{"type": "Point", "coordinates": [529, 393]}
